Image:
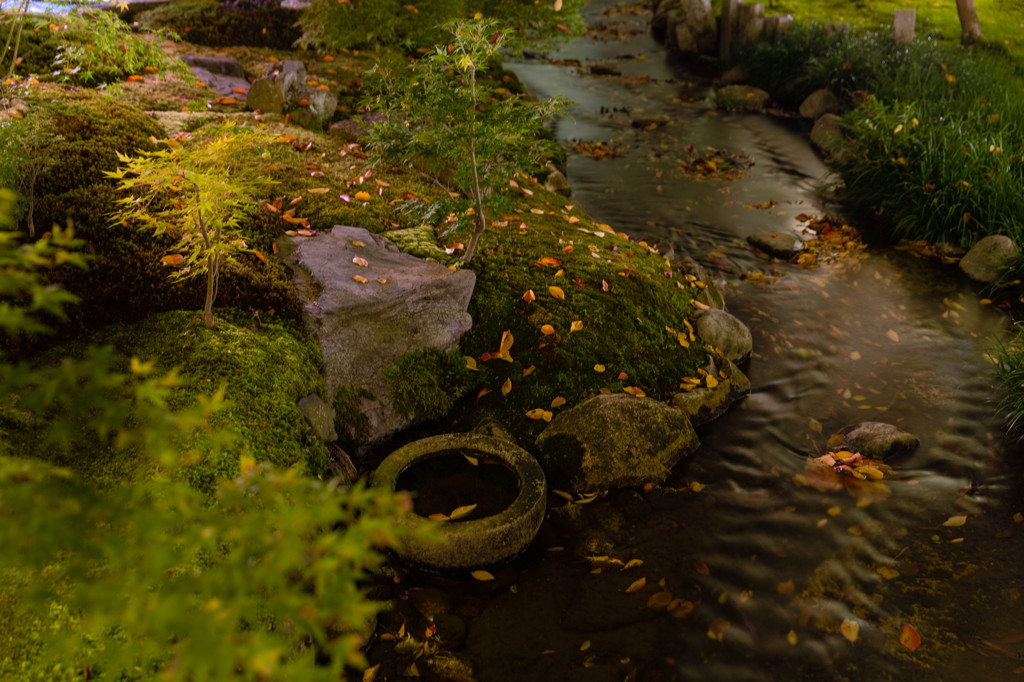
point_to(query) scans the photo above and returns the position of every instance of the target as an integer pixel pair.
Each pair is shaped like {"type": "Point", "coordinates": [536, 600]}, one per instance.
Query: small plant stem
{"type": "Point", "coordinates": [478, 199]}
{"type": "Point", "coordinates": [211, 263]}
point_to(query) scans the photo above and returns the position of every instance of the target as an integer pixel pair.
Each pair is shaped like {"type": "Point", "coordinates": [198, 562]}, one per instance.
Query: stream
{"type": "Point", "coordinates": [749, 571]}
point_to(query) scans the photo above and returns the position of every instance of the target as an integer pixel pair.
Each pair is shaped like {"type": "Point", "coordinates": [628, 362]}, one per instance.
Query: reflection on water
{"type": "Point", "coordinates": [749, 573]}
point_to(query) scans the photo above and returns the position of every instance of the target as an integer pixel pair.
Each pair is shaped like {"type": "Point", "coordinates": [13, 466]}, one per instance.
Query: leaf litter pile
{"type": "Point", "coordinates": [715, 163]}
{"type": "Point", "coordinates": [832, 240]}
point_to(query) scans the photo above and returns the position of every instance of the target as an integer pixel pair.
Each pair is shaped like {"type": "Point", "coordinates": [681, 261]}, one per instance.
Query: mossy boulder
{"type": "Point", "coordinates": [587, 311]}
{"type": "Point", "coordinates": [614, 441]}
{"type": "Point", "coordinates": [264, 366]}
{"type": "Point", "coordinates": [217, 24]}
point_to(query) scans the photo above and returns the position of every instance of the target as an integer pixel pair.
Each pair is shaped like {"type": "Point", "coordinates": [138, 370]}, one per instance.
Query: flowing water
{"type": "Point", "coordinates": [749, 570]}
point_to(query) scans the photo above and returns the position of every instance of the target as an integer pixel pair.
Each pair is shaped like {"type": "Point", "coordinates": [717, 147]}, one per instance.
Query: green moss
{"type": "Point", "coordinates": [207, 22]}
{"type": "Point", "coordinates": [427, 383]}
{"type": "Point", "coordinates": [352, 425]}
{"type": "Point", "coordinates": [264, 366]}
{"type": "Point", "coordinates": [624, 329]}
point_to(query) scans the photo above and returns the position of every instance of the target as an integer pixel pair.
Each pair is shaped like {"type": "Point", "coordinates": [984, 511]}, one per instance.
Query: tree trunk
{"type": "Point", "coordinates": [969, 24]}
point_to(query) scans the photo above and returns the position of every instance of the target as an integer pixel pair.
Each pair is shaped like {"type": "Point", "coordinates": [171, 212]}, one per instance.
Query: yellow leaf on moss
{"type": "Point", "coordinates": [506, 387]}
{"type": "Point", "coordinates": [547, 330]}
{"type": "Point", "coordinates": [363, 196]}
{"type": "Point", "coordinates": [557, 402]}
{"type": "Point", "coordinates": [556, 292]}
{"type": "Point", "coordinates": [576, 326]}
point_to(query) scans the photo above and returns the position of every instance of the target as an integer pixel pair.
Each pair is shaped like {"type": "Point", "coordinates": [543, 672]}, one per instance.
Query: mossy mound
{"type": "Point", "coordinates": [216, 24]}
{"type": "Point", "coordinates": [265, 366]}
{"type": "Point", "coordinates": [589, 312]}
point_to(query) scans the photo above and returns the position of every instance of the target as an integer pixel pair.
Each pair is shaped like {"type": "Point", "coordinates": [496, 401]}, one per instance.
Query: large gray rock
{"type": "Point", "coordinates": [726, 333]}
{"type": "Point", "coordinates": [614, 441]}
{"type": "Point", "coordinates": [702, 404]}
{"type": "Point", "coordinates": [875, 440]}
{"type": "Point", "coordinates": [406, 304]}
{"type": "Point", "coordinates": [223, 74]}
{"type": "Point", "coordinates": [818, 103]}
{"type": "Point", "coordinates": [283, 90]}
{"type": "Point", "coordinates": [827, 134]}
{"type": "Point", "coordinates": [691, 27]}
{"type": "Point", "coordinates": [742, 98]}
{"type": "Point", "coordinates": [987, 259]}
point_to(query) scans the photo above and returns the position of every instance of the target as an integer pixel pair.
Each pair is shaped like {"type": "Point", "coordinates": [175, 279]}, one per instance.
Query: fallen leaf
{"type": "Point", "coordinates": [659, 600]}
{"type": "Point", "coordinates": [548, 262]}
{"type": "Point", "coordinates": [439, 517]}
{"type": "Point", "coordinates": [506, 387]}
{"type": "Point", "coordinates": [680, 608]}
{"type": "Point", "coordinates": [471, 364]}
{"type": "Point", "coordinates": [482, 575]}
{"type": "Point", "coordinates": [459, 512]}
{"type": "Point", "coordinates": [637, 585]}
{"type": "Point", "coordinates": [362, 196]}
{"type": "Point", "coordinates": [791, 637]}
{"type": "Point", "coordinates": [634, 391]}
{"type": "Point", "coordinates": [710, 381]}
{"type": "Point", "coordinates": [787, 587]}
{"type": "Point", "coordinates": [528, 371]}
{"type": "Point", "coordinates": [472, 460]}
{"type": "Point", "coordinates": [585, 645]}
{"type": "Point", "coordinates": [909, 637]}
{"type": "Point", "coordinates": [506, 345]}
{"type": "Point", "coordinates": [599, 368]}
{"type": "Point", "coordinates": [556, 292]}
{"type": "Point", "coordinates": [547, 330]}
{"type": "Point", "coordinates": [577, 325]}
{"type": "Point", "coordinates": [888, 573]}
{"type": "Point", "coordinates": [955, 521]}
{"type": "Point", "coordinates": [361, 262]}
{"type": "Point", "coordinates": [557, 402]}
{"type": "Point", "coordinates": [717, 628]}
{"type": "Point", "coordinates": [850, 629]}
{"type": "Point", "coordinates": [529, 296]}
{"type": "Point", "coordinates": [318, 190]}
{"type": "Point", "coordinates": [622, 376]}
{"type": "Point", "coordinates": [134, 79]}
{"type": "Point", "coordinates": [482, 393]}
{"type": "Point", "coordinates": [360, 279]}
{"type": "Point", "coordinates": [632, 563]}
{"type": "Point", "coordinates": [563, 494]}
{"type": "Point", "coordinates": [893, 336]}
{"type": "Point", "coordinates": [537, 413]}
{"type": "Point", "coordinates": [370, 674]}
{"type": "Point", "coordinates": [173, 259]}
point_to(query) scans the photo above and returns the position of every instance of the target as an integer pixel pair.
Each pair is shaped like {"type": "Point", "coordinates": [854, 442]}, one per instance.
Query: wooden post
{"type": "Point", "coordinates": [903, 26]}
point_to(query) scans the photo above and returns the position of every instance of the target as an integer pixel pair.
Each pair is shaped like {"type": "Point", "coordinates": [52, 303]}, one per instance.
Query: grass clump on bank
{"type": "Point", "coordinates": [936, 152]}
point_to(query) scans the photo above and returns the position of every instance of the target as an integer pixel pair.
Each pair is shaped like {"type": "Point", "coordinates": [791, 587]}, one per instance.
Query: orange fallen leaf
{"type": "Point", "coordinates": [634, 391]}
{"type": "Point", "coordinates": [173, 259]}
{"type": "Point", "coordinates": [547, 330]}
{"type": "Point", "coordinates": [506, 345]}
{"type": "Point", "coordinates": [303, 102]}
{"type": "Point", "coordinates": [362, 196]}
{"type": "Point", "coordinates": [360, 279]}
{"type": "Point", "coordinates": [482, 393]}
{"type": "Point", "coordinates": [528, 371]}
{"type": "Point", "coordinates": [506, 387]}
{"type": "Point", "coordinates": [850, 629]}
{"type": "Point", "coordinates": [260, 256]}
{"type": "Point", "coordinates": [909, 637]}
{"type": "Point", "coordinates": [529, 296]}
{"type": "Point", "coordinates": [577, 325]}
{"type": "Point", "coordinates": [557, 402]}
{"type": "Point", "coordinates": [150, 69]}
{"type": "Point", "coordinates": [659, 600]}
{"type": "Point", "coordinates": [471, 364]}
{"type": "Point", "coordinates": [556, 292]}
{"type": "Point", "coordinates": [134, 79]}
{"type": "Point", "coordinates": [548, 262]}
{"type": "Point", "coordinates": [361, 262]}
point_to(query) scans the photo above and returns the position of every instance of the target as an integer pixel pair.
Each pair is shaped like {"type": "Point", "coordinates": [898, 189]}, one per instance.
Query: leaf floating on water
{"type": "Point", "coordinates": [888, 573]}
{"type": "Point", "coordinates": [791, 637]}
{"type": "Point", "coordinates": [717, 628]}
{"type": "Point", "coordinates": [955, 521]}
{"type": "Point", "coordinates": [459, 512]}
{"type": "Point", "coordinates": [850, 629]}
{"type": "Point", "coordinates": [893, 336]}
{"type": "Point", "coordinates": [563, 494]}
{"type": "Point", "coordinates": [788, 587]}
{"type": "Point", "coordinates": [659, 600]}
{"type": "Point", "coordinates": [701, 568]}
{"type": "Point", "coordinates": [637, 585]}
{"type": "Point", "coordinates": [439, 517]}
{"type": "Point", "coordinates": [680, 608]}
{"type": "Point", "coordinates": [855, 355]}
{"type": "Point", "coordinates": [633, 563]}
{"type": "Point", "coordinates": [482, 576]}
{"type": "Point", "coordinates": [472, 460]}
{"type": "Point", "coordinates": [909, 637]}
{"type": "Point", "coordinates": [585, 645]}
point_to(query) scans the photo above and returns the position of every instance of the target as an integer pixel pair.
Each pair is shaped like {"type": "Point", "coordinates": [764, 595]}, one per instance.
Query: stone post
{"type": "Point", "coordinates": [729, 8]}
{"type": "Point", "coordinates": [751, 21]}
{"type": "Point", "coordinates": [903, 26]}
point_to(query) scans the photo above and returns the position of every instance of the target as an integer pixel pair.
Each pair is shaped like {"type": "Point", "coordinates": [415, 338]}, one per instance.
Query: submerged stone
{"type": "Point", "coordinates": [778, 244]}
{"type": "Point", "coordinates": [726, 333]}
{"type": "Point", "coordinates": [875, 440]}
